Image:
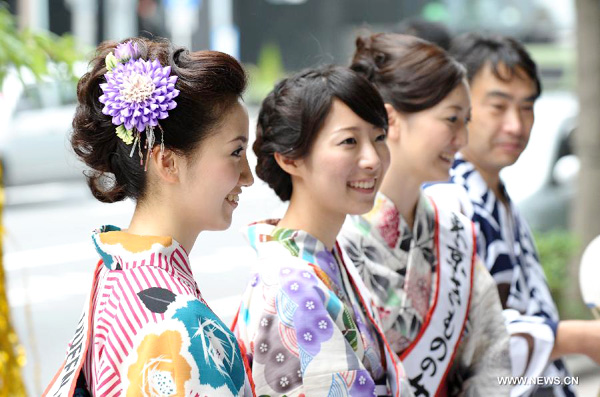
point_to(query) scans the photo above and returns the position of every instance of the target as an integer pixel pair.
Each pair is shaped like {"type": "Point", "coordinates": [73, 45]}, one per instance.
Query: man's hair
{"type": "Point", "coordinates": [476, 50]}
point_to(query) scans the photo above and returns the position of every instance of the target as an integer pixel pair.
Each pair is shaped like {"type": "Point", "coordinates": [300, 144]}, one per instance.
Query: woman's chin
{"type": "Point", "coordinates": [219, 224]}
{"type": "Point", "coordinates": [361, 208]}
{"type": "Point", "coordinates": [441, 176]}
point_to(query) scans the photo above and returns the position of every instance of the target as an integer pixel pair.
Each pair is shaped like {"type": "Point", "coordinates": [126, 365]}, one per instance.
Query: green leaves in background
{"type": "Point", "coordinates": [33, 50]}
{"type": "Point", "coordinates": [557, 249]}
{"type": "Point", "coordinates": [265, 74]}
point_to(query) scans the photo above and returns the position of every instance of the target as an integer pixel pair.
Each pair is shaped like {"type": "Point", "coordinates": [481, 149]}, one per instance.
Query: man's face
{"type": "Point", "coordinates": [502, 117]}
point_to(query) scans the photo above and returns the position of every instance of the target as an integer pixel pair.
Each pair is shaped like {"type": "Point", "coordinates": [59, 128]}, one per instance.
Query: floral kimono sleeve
{"type": "Point", "coordinates": [190, 352]}
{"type": "Point", "coordinates": [302, 339]}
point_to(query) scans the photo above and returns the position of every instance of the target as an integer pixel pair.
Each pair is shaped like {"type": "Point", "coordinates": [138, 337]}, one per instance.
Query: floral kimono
{"type": "Point", "coordinates": [507, 248]}
{"type": "Point", "coordinates": [146, 330]}
{"type": "Point", "coordinates": [306, 324]}
{"type": "Point", "coordinates": [438, 307]}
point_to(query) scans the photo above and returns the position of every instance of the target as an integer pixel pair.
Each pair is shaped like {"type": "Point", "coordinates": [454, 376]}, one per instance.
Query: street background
{"type": "Point", "coordinates": [49, 213]}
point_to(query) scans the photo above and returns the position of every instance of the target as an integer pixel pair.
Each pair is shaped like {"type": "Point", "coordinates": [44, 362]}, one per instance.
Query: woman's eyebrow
{"type": "Point", "coordinates": [349, 128]}
{"type": "Point", "coordinates": [241, 138]}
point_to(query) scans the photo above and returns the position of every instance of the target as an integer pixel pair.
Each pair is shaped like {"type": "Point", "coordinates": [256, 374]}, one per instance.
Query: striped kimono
{"type": "Point", "coordinates": [146, 330]}
{"type": "Point", "coordinates": [306, 323]}
{"type": "Point", "coordinates": [506, 246]}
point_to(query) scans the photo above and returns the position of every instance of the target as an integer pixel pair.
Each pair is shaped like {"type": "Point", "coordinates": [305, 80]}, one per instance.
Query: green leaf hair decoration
{"type": "Point", "coordinates": [110, 61]}
{"type": "Point", "coordinates": [125, 135]}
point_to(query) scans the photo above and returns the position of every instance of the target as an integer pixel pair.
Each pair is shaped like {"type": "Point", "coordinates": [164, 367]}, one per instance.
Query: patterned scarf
{"type": "Point", "coordinates": [397, 263]}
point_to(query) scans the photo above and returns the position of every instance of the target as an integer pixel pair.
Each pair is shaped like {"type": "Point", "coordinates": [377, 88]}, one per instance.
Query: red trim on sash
{"type": "Point", "coordinates": [247, 367]}
{"type": "Point", "coordinates": [436, 242]}
{"type": "Point", "coordinates": [442, 391]}
{"type": "Point", "coordinates": [442, 387]}
{"type": "Point", "coordinates": [235, 318]}
{"type": "Point", "coordinates": [368, 313]}
{"type": "Point", "coordinates": [45, 393]}
{"type": "Point", "coordinates": [473, 256]}
{"type": "Point", "coordinates": [87, 340]}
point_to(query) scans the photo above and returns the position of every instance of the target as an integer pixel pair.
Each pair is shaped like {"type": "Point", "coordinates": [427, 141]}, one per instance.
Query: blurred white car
{"type": "Point", "coordinates": [542, 182]}
{"type": "Point", "coordinates": [35, 123]}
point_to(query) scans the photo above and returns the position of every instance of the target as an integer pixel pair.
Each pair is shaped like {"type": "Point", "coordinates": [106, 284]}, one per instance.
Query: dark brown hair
{"type": "Point", "coordinates": [209, 82]}
{"type": "Point", "coordinates": [294, 112]}
{"type": "Point", "coordinates": [410, 73]}
{"type": "Point", "coordinates": [475, 50]}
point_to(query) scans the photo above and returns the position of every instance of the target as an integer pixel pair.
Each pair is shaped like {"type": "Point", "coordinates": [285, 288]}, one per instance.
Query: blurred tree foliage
{"type": "Point", "coordinates": [265, 74]}
{"type": "Point", "coordinates": [12, 354]}
{"type": "Point", "coordinates": [556, 249]}
{"type": "Point", "coordinates": [33, 51]}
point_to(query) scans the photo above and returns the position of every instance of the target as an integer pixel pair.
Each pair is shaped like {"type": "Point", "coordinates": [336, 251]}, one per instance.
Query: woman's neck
{"type": "Point", "coordinates": [156, 220]}
{"type": "Point", "coordinates": [305, 214]}
{"type": "Point", "coordinates": [400, 186]}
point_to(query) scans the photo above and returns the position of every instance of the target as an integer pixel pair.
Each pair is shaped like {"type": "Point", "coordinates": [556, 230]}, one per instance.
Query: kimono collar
{"type": "Point", "coordinates": [464, 173]}
{"type": "Point", "coordinates": [121, 250]}
{"type": "Point", "coordinates": [386, 220]}
{"type": "Point", "coordinates": [298, 242]}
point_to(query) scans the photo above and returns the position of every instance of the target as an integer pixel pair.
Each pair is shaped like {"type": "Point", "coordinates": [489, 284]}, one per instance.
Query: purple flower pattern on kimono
{"type": "Point", "coordinates": [312, 339]}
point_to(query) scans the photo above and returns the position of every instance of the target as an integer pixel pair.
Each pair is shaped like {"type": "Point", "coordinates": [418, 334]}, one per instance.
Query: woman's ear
{"type": "Point", "coordinates": [291, 166]}
{"type": "Point", "coordinates": [393, 123]}
{"type": "Point", "coordinates": [166, 164]}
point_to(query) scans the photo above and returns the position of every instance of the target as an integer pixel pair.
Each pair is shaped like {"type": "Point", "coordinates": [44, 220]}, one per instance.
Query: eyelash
{"type": "Point", "coordinates": [454, 119]}
{"type": "Point", "coordinates": [352, 141]}
{"type": "Point", "coordinates": [238, 152]}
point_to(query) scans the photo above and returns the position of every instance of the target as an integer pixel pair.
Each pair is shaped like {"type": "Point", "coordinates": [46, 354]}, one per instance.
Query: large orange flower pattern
{"type": "Point", "coordinates": [160, 368]}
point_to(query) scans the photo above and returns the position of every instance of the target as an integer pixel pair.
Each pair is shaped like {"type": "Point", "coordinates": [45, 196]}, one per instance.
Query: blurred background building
{"type": "Point", "coordinates": [305, 31]}
{"type": "Point", "coordinates": [281, 36]}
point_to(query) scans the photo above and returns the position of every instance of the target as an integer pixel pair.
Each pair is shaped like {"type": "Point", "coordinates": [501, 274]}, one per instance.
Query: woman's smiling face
{"type": "Point", "coordinates": [430, 138]}
{"type": "Point", "coordinates": [216, 172]}
{"type": "Point", "coordinates": [346, 163]}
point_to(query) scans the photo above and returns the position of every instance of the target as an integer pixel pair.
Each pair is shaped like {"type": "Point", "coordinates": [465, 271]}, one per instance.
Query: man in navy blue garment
{"type": "Point", "coordinates": [504, 85]}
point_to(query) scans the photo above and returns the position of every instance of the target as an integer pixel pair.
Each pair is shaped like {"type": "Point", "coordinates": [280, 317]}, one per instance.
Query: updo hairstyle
{"type": "Point", "coordinates": [294, 112]}
{"type": "Point", "coordinates": [410, 73]}
{"type": "Point", "coordinates": [209, 83]}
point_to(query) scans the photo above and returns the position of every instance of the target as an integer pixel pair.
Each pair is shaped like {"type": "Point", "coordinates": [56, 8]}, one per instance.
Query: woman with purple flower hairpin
{"type": "Point", "coordinates": [166, 128]}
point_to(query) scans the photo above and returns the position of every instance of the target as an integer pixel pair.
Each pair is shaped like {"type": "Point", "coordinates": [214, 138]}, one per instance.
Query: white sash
{"type": "Point", "coordinates": [65, 381]}
{"type": "Point", "coordinates": [428, 359]}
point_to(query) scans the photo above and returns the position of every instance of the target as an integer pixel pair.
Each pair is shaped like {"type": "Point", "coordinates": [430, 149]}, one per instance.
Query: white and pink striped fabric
{"type": "Point", "coordinates": [150, 331]}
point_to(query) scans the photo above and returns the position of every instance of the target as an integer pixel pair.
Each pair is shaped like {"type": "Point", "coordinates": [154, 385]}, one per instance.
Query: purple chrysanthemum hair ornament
{"type": "Point", "coordinates": [137, 94]}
